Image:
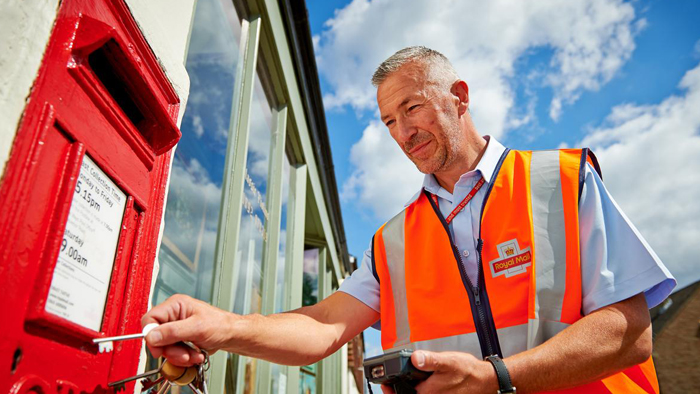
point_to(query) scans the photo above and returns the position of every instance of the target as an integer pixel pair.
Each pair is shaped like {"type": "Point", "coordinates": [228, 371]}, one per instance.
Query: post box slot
{"type": "Point", "coordinates": [127, 85]}
{"type": "Point", "coordinates": [107, 62]}
{"type": "Point", "coordinates": [104, 70]}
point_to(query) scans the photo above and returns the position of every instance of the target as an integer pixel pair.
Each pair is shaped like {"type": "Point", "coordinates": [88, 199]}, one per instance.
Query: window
{"type": "Point", "coordinates": [309, 293]}
{"type": "Point", "coordinates": [191, 217]}
{"type": "Point", "coordinates": [254, 231]}
{"type": "Point", "coordinates": [222, 86]}
{"type": "Point", "coordinates": [280, 284]}
{"type": "Point", "coordinates": [309, 296]}
{"type": "Point", "coordinates": [279, 303]}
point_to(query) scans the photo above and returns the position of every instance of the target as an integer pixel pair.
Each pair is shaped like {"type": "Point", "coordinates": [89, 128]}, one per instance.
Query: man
{"type": "Point", "coordinates": [513, 254]}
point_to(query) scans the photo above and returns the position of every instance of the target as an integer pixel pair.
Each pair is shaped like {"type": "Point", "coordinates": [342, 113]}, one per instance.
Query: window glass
{"type": "Point", "coordinates": [309, 293]}
{"type": "Point", "coordinates": [309, 296]}
{"type": "Point", "coordinates": [307, 379]}
{"type": "Point", "coordinates": [186, 255]}
{"type": "Point", "coordinates": [279, 292]}
{"type": "Point", "coordinates": [281, 265]}
{"type": "Point", "coordinates": [191, 216]}
{"type": "Point", "coordinates": [253, 233]}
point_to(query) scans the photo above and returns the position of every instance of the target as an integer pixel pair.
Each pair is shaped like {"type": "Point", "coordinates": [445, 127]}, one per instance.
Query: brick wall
{"type": "Point", "coordinates": [677, 348]}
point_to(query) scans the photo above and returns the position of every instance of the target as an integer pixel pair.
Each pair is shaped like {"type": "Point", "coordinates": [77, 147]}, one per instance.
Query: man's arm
{"type": "Point", "coordinates": [602, 343]}
{"type": "Point", "coordinates": [298, 337]}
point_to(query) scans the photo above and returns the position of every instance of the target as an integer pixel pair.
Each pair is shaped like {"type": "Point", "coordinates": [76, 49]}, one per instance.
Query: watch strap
{"type": "Point", "coordinates": [504, 383]}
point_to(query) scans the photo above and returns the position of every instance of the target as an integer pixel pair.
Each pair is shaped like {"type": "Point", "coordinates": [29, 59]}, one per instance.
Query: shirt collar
{"type": "Point", "coordinates": [486, 166]}
{"type": "Point", "coordinates": [489, 161]}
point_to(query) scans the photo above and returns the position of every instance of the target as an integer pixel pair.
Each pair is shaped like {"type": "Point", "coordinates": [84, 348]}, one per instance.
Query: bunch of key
{"type": "Point", "coordinates": [166, 375]}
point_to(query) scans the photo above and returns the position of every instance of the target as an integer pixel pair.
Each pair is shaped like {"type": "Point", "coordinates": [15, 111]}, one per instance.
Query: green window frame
{"type": "Point", "coordinates": [263, 42]}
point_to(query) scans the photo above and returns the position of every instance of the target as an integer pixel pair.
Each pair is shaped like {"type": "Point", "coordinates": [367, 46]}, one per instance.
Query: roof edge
{"type": "Point", "coordinates": [297, 26]}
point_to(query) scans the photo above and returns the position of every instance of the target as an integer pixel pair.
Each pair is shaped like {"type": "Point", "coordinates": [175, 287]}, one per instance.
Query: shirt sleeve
{"type": "Point", "coordinates": [616, 261]}
{"type": "Point", "coordinates": [362, 284]}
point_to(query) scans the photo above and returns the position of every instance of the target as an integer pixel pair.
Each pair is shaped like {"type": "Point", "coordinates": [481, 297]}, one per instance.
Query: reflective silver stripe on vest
{"type": "Point", "coordinates": [513, 339]}
{"type": "Point", "coordinates": [549, 241]}
{"type": "Point", "coordinates": [468, 343]}
{"type": "Point", "coordinates": [516, 339]}
{"type": "Point", "coordinates": [394, 247]}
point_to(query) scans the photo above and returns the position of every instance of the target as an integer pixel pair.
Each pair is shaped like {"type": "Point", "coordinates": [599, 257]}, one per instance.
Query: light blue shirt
{"type": "Point", "coordinates": [616, 261]}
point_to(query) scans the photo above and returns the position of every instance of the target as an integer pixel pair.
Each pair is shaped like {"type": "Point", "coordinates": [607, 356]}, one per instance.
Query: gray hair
{"type": "Point", "coordinates": [438, 65]}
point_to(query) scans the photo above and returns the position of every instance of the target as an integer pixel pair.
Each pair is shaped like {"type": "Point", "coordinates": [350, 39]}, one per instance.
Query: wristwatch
{"type": "Point", "coordinates": [504, 384]}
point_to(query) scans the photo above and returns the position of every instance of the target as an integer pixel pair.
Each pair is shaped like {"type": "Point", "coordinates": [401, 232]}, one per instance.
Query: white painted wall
{"type": "Point", "coordinates": [175, 17]}
{"type": "Point", "coordinates": [25, 27]}
{"type": "Point", "coordinates": [166, 26]}
{"type": "Point", "coordinates": [352, 387]}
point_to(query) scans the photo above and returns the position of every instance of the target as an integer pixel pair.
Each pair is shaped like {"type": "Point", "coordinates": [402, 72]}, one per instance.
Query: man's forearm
{"type": "Point", "coordinates": [292, 338]}
{"type": "Point", "coordinates": [302, 336]}
{"type": "Point", "coordinates": [600, 344]}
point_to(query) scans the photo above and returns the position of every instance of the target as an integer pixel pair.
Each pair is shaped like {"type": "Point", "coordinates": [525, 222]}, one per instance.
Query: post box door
{"type": "Point", "coordinates": [82, 200]}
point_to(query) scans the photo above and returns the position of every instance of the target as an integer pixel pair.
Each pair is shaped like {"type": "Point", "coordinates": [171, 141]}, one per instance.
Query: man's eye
{"type": "Point", "coordinates": [411, 108]}
{"type": "Point", "coordinates": [389, 123]}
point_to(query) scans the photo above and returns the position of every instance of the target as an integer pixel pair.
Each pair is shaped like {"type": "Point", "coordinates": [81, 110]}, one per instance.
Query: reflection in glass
{"type": "Point", "coordinates": [309, 292]}
{"type": "Point", "coordinates": [307, 379]}
{"type": "Point", "coordinates": [309, 296]}
{"type": "Point", "coordinates": [253, 232]}
{"type": "Point", "coordinates": [191, 217]}
{"type": "Point", "coordinates": [279, 290]}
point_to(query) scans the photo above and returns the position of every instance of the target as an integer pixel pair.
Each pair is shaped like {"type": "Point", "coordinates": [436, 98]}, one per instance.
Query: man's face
{"type": "Point", "coordinates": [421, 117]}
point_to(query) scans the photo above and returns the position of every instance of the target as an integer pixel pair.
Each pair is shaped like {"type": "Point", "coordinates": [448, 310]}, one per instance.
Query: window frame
{"type": "Point", "coordinates": [263, 48]}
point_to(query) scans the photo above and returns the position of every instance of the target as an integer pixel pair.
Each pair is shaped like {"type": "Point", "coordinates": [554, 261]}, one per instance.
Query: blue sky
{"type": "Point", "coordinates": [620, 77]}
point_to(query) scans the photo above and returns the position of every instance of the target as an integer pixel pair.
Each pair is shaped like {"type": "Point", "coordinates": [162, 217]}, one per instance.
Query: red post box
{"type": "Point", "coordinates": [82, 202]}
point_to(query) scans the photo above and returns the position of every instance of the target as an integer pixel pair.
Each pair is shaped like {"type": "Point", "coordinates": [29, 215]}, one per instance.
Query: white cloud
{"type": "Point", "coordinates": [191, 219]}
{"type": "Point", "coordinates": [650, 157]}
{"type": "Point", "coordinates": [197, 125]}
{"type": "Point", "coordinates": [260, 137]}
{"type": "Point", "coordinates": [590, 41]}
{"type": "Point", "coordinates": [384, 178]}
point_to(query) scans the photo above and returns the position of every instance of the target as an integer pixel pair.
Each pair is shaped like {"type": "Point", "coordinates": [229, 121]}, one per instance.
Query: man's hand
{"type": "Point", "coordinates": [182, 318]}
{"type": "Point", "coordinates": [453, 372]}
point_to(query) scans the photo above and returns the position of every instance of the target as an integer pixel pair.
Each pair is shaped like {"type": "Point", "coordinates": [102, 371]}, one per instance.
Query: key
{"type": "Point", "coordinates": [147, 374]}
{"type": "Point", "coordinates": [181, 376]}
{"type": "Point", "coordinates": [195, 389]}
{"type": "Point", "coordinates": [199, 386]}
{"type": "Point", "coordinates": [107, 344]}
{"type": "Point", "coordinates": [164, 388]}
{"type": "Point", "coordinates": [203, 368]}
{"type": "Point", "coordinates": [200, 383]}
{"type": "Point", "coordinates": [147, 384]}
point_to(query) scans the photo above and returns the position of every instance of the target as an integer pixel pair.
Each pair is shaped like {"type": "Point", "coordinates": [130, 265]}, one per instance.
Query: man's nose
{"type": "Point", "coordinates": [405, 130]}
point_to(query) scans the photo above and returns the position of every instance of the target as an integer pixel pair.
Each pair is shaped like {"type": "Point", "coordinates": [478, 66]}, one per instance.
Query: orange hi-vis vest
{"type": "Point", "coordinates": [529, 286]}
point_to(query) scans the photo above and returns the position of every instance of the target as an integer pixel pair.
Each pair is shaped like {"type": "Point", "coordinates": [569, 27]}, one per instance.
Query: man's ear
{"type": "Point", "coordinates": [460, 90]}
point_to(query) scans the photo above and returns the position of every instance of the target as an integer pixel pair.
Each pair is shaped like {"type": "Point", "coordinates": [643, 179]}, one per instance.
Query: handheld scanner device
{"type": "Point", "coordinates": [394, 369]}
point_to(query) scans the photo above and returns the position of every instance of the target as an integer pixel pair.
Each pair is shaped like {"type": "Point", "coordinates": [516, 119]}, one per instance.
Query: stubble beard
{"type": "Point", "coordinates": [433, 164]}
{"type": "Point", "coordinates": [445, 155]}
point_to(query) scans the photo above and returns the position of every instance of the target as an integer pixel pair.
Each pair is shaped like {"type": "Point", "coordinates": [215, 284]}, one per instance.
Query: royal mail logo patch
{"type": "Point", "coordinates": [512, 260]}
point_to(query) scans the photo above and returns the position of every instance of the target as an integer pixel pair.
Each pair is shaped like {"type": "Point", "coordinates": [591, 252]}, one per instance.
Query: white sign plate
{"type": "Point", "coordinates": [83, 270]}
